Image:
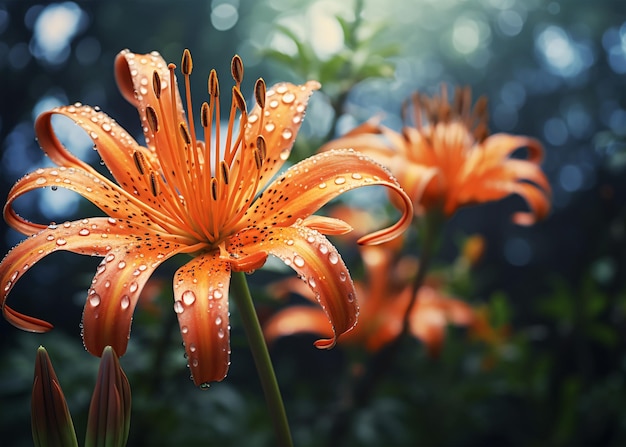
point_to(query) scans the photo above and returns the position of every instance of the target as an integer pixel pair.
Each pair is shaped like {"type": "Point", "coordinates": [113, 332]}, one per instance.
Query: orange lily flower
{"type": "Point", "coordinates": [447, 159]}
{"type": "Point", "coordinates": [383, 303]}
{"type": "Point", "coordinates": [211, 199]}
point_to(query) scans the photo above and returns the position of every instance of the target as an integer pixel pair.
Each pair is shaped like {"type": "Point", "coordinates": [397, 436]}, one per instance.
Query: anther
{"type": "Point", "coordinates": [239, 100]}
{"type": "Point", "coordinates": [154, 184]}
{"type": "Point", "coordinates": [186, 64]}
{"type": "Point", "coordinates": [156, 84]}
{"type": "Point", "coordinates": [236, 69]}
{"type": "Point", "coordinates": [140, 162]}
{"type": "Point", "coordinates": [184, 133]}
{"type": "Point", "coordinates": [259, 92]}
{"type": "Point", "coordinates": [262, 146]}
{"type": "Point", "coordinates": [153, 121]}
{"type": "Point", "coordinates": [204, 114]}
{"type": "Point", "coordinates": [225, 172]}
{"type": "Point", "coordinates": [214, 188]}
{"type": "Point", "coordinates": [214, 86]}
{"type": "Point", "coordinates": [258, 159]}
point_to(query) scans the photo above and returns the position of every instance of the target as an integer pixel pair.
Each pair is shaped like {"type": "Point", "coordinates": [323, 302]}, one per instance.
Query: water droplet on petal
{"type": "Point", "coordinates": [288, 98]}
{"type": "Point", "coordinates": [323, 249]}
{"type": "Point", "coordinates": [284, 154]}
{"type": "Point", "coordinates": [333, 257]}
{"type": "Point", "coordinates": [205, 386]}
{"type": "Point", "coordinates": [287, 134]}
{"type": "Point", "coordinates": [84, 232]}
{"type": "Point", "coordinates": [350, 297]}
{"type": "Point", "coordinates": [61, 241]}
{"type": "Point", "coordinates": [50, 237]}
{"type": "Point", "coordinates": [189, 297]}
{"type": "Point", "coordinates": [340, 181]}
{"type": "Point", "coordinates": [125, 302]}
{"type": "Point", "coordinates": [220, 333]}
{"type": "Point", "coordinates": [133, 287]}
{"type": "Point", "coordinates": [298, 261]}
{"type": "Point", "coordinates": [357, 176]}
{"type": "Point", "coordinates": [322, 185]}
{"type": "Point", "coordinates": [218, 294]}
{"type": "Point", "coordinates": [94, 300]}
{"type": "Point", "coordinates": [218, 320]}
{"type": "Point", "coordinates": [178, 307]}
{"type": "Point", "coordinates": [184, 329]}
{"type": "Point", "coordinates": [269, 127]}
{"type": "Point", "coordinates": [342, 276]}
{"type": "Point", "coordinates": [312, 282]}
{"type": "Point", "coordinates": [40, 181]}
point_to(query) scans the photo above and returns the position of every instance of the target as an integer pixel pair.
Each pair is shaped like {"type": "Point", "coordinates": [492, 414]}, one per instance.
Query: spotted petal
{"type": "Point", "coordinates": [116, 287]}
{"type": "Point", "coordinates": [88, 236]}
{"type": "Point", "coordinates": [307, 186]}
{"type": "Point", "coordinates": [285, 104]}
{"type": "Point", "coordinates": [201, 304]}
{"type": "Point", "coordinates": [318, 263]}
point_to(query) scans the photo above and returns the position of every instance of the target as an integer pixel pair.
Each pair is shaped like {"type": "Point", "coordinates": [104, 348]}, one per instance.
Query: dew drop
{"type": "Point", "coordinates": [269, 127]}
{"type": "Point", "coordinates": [253, 119]}
{"type": "Point", "coordinates": [312, 282]}
{"type": "Point", "coordinates": [290, 242]}
{"type": "Point", "coordinates": [350, 297]}
{"type": "Point", "coordinates": [84, 232]}
{"type": "Point", "coordinates": [322, 185]}
{"type": "Point", "coordinates": [133, 287]}
{"type": "Point", "coordinates": [54, 187]}
{"type": "Point", "coordinates": [323, 249]}
{"type": "Point", "coordinates": [189, 297]}
{"type": "Point", "coordinates": [192, 348]}
{"type": "Point", "coordinates": [125, 302]}
{"type": "Point", "coordinates": [273, 104]}
{"type": "Point", "coordinates": [94, 300]}
{"type": "Point", "coordinates": [109, 257]}
{"type": "Point", "coordinates": [106, 127]}
{"type": "Point", "coordinates": [284, 154]}
{"type": "Point", "coordinates": [220, 333]}
{"type": "Point", "coordinates": [287, 134]}
{"type": "Point", "coordinates": [61, 242]}
{"type": "Point", "coordinates": [194, 363]}
{"type": "Point", "coordinates": [121, 265]}
{"type": "Point", "coordinates": [178, 307]}
{"type": "Point", "coordinates": [184, 330]}
{"type": "Point", "coordinates": [288, 98]}
{"type": "Point", "coordinates": [357, 176]}
{"type": "Point", "coordinates": [50, 237]}
{"type": "Point", "coordinates": [107, 284]}
{"type": "Point", "coordinates": [342, 276]}
{"type": "Point", "coordinates": [218, 320]}
{"type": "Point", "coordinates": [218, 294]}
{"type": "Point", "coordinates": [112, 221]}
{"type": "Point", "coordinates": [310, 239]}
{"type": "Point", "coordinates": [298, 261]}
{"type": "Point", "coordinates": [333, 257]}
{"type": "Point", "coordinates": [40, 181]}
{"type": "Point", "coordinates": [101, 268]}
{"type": "Point", "coordinates": [340, 181]}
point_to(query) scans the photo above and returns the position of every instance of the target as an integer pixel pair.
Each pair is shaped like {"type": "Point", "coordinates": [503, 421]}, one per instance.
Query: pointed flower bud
{"type": "Point", "coordinates": [109, 411]}
{"type": "Point", "coordinates": [51, 421]}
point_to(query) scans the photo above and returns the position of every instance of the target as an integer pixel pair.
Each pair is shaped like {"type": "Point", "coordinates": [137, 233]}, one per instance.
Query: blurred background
{"type": "Point", "coordinates": [554, 70]}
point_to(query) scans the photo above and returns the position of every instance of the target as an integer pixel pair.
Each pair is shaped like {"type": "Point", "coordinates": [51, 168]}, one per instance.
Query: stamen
{"type": "Point", "coordinates": [156, 84]}
{"type": "Point", "coordinates": [214, 188]}
{"type": "Point", "coordinates": [184, 133]}
{"type": "Point", "coordinates": [204, 114]}
{"type": "Point", "coordinates": [153, 121]}
{"type": "Point", "coordinates": [262, 146]}
{"type": "Point", "coordinates": [225, 172]}
{"type": "Point", "coordinates": [239, 100]}
{"type": "Point", "coordinates": [236, 69]}
{"type": "Point", "coordinates": [258, 159]}
{"type": "Point", "coordinates": [187, 63]}
{"type": "Point", "coordinates": [154, 184]}
{"type": "Point", "coordinates": [214, 86]}
{"type": "Point", "coordinates": [140, 162]}
{"type": "Point", "coordinates": [259, 92]}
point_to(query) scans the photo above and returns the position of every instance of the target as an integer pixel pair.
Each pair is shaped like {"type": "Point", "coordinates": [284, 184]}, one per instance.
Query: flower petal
{"type": "Point", "coordinates": [116, 287]}
{"type": "Point", "coordinates": [106, 195]}
{"type": "Point", "coordinates": [307, 186]}
{"type": "Point", "coordinates": [201, 304]}
{"type": "Point", "coordinates": [88, 236]}
{"type": "Point", "coordinates": [286, 104]}
{"type": "Point", "coordinates": [134, 74]}
{"type": "Point", "coordinates": [114, 145]}
{"type": "Point", "coordinates": [317, 262]}
{"type": "Point", "coordinates": [297, 320]}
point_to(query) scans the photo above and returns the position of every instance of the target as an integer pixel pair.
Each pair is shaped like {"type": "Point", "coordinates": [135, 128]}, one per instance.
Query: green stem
{"type": "Point", "coordinates": [265, 369]}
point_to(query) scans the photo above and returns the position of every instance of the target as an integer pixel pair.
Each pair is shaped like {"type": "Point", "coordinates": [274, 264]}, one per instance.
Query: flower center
{"type": "Point", "coordinates": [203, 186]}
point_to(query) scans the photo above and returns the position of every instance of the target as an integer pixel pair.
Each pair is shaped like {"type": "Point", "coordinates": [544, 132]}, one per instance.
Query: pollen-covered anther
{"type": "Point", "coordinates": [153, 121]}
{"type": "Point", "coordinates": [186, 64]}
{"type": "Point", "coordinates": [258, 159]}
{"type": "Point", "coordinates": [259, 92]}
{"type": "Point", "coordinates": [184, 133]}
{"type": "Point", "coordinates": [225, 172]}
{"type": "Point", "coordinates": [214, 85]}
{"type": "Point", "coordinates": [140, 162]}
{"type": "Point", "coordinates": [154, 184]}
{"type": "Point", "coordinates": [156, 84]}
{"type": "Point", "coordinates": [239, 100]}
{"type": "Point", "coordinates": [204, 114]}
{"type": "Point", "coordinates": [214, 188]}
{"type": "Point", "coordinates": [261, 146]}
{"type": "Point", "coordinates": [236, 69]}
